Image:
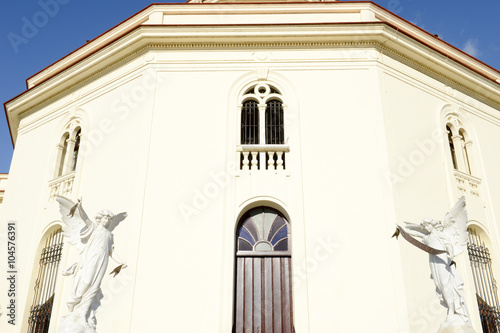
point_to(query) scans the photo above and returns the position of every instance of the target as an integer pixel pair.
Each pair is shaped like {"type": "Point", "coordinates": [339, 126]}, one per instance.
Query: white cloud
{"type": "Point", "coordinates": [471, 47]}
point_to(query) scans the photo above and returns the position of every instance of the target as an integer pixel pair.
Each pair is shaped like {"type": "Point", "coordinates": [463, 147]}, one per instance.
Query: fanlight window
{"type": "Point", "coordinates": [263, 232]}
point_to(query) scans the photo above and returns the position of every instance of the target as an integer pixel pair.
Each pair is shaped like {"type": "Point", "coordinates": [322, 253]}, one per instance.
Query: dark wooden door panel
{"type": "Point", "coordinates": [263, 295]}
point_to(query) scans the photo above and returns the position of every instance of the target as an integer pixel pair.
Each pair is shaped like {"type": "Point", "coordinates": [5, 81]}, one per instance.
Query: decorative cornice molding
{"type": "Point", "coordinates": [154, 46]}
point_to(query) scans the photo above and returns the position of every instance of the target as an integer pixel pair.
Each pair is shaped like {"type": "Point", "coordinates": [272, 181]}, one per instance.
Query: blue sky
{"type": "Point", "coordinates": [61, 28]}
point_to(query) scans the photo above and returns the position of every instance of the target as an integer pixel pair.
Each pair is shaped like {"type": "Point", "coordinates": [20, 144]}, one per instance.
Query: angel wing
{"type": "Point", "coordinates": [73, 220]}
{"type": "Point", "coordinates": [421, 231]}
{"type": "Point", "coordinates": [116, 220]}
{"type": "Point", "coordinates": [455, 226]}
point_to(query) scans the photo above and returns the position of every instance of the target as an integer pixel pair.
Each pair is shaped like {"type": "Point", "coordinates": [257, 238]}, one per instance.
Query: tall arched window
{"type": "Point", "coordinates": [63, 151]}
{"type": "Point", "coordinates": [484, 281]}
{"type": "Point", "coordinates": [275, 132]}
{"type": "Point", "coordinates": [44, 289]}
{"type": "Point", "coordinates": [263, 298]}
{"type": "Point", "coordinates": [452, 147]}
{"type": "Point", "coordinates": [262, 145]}
{"type": "Point", "coordinates": [76, 150]}
{"type": "Point", "coordinates": [250, 123]}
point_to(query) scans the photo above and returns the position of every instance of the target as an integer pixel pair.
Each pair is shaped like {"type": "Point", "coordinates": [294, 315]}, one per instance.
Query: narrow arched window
{"type": "Point", "coordinates": [452, 147]}
{"type": "Point", "coordinates": [250, 123]}
{"type": "Point", "coordinates": [63, 147]}
{"type": "Point", "coordinates": [275, 133]}
{"type": "Point", "coordinates": [45, 283]}
{"type": "Point", "coordinates": [263, 299]}
{"type": "Point", "coordinates": [76, 149]}
{"type": "Point", "coordinates": [465, 150]}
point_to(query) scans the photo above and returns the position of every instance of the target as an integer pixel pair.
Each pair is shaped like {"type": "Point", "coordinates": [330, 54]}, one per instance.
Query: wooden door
{"type": "Point", "coordinates": [263, 292]}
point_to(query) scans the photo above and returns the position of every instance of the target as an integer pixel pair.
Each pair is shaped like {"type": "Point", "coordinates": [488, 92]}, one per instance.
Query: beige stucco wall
{"type": "Point", "coordinates": [159, 141]}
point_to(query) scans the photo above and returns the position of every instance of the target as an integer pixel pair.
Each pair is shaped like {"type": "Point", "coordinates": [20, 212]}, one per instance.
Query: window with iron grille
{"type": "Point", "coordinates": [41, 308]}
{"type": "Point", "coordinates": [262, 138]}
{"type": "Point", "coordinates": [486, 288]}
{"type": "Point", "coordinates": [275, 133]}
{"type": "Point", "coordinates": [250, 123]}
{"type": "Point", "coordinates": [262, 101]}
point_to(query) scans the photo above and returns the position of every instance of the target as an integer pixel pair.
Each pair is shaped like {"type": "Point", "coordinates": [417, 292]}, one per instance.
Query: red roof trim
{"type": "Point", "coordinates": [7, 118]}
{"type": "Point", "coordinates": [67, 55]}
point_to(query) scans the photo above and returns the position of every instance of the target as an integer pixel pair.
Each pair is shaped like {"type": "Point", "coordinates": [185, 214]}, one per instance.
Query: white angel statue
{"type": "Point", "coordinates": [444, 240]}
{"type": "Point", "coordinates": [94, 240]}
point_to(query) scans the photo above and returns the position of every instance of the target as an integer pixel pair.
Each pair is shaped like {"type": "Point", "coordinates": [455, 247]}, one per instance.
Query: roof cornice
{"type": "Point", "coordinates": [158, 24]}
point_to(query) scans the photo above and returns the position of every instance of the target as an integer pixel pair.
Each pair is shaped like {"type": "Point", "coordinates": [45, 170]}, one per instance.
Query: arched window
{"type": "Point", "coordinates": [67, 159]}
{"type": "Point", "coordinates": [250, 123]}
{"type": "Point", "coordinates": [263, 298]}
{"type": "Point", "coordinates": [484, 281]}
{"type": "Point", "coordinates": [63, 149]}
{"type": "Point", "coordinates": [452, 147]}
{"type": "Point", "coordinates": [76, 149]}
{"type": "Point", "coordinates": [262, 143]}
{"type": "Point", "coordinates": [462, 135]}
{"type": "Point", "coordinates": [275, 133]}
{"type": "Point", "coordinates": [44, 289]}
{"type": "Point", "coordinates": [460, 145]}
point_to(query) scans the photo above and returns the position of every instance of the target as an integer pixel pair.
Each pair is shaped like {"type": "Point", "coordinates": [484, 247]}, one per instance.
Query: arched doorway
{"type": "Point", "coordinates": [263, 291]}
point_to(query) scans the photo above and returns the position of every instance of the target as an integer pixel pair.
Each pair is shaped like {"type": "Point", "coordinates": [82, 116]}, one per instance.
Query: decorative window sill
{"type": "Point", "coordinates": [467, 183]}
{"type": "Point", "coordinates": [62, 185]}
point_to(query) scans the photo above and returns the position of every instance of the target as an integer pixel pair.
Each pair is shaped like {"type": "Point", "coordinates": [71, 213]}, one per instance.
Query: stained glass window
{"type": "Point", "coordinates": [263, 231]}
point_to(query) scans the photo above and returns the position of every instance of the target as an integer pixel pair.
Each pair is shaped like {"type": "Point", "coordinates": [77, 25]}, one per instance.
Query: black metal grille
{"type": "Point", "coordinates": [275, 133]}
{"type": "Point", "coordinates": [486, 287]}
{"type": "Point", "coordinates": [45, 283]}
{"type": "Point", "coordinates": [250, 123]}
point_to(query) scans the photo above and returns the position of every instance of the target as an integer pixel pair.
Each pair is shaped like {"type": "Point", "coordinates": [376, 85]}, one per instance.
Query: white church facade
{"type": "Point", "coordinates": [263, 153]}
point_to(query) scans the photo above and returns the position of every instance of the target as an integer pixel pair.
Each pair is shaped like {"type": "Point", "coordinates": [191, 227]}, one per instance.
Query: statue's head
{"type": "Point", "coordinates": [104, 216]}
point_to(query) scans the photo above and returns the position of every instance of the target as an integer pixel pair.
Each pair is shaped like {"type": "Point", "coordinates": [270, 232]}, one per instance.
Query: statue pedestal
{"type": "Point", "coordinates": [456, 325]}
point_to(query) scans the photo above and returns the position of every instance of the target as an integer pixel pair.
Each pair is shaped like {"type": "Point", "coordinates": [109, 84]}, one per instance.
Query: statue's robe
{"type": "Point", "coordinates": [449, 284]}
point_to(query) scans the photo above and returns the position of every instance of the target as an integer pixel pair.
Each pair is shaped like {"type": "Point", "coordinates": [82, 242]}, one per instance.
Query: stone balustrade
{"type": "Point", "coordinates": [263, 157]}
{"type": "Point", "coordinates": [62, 185]}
